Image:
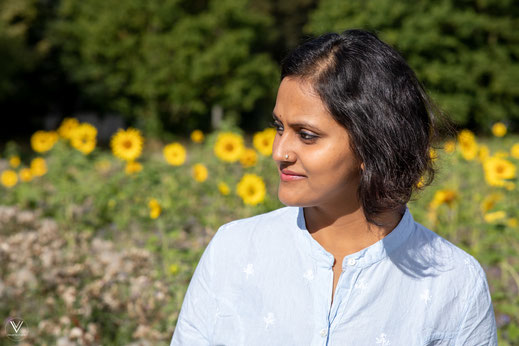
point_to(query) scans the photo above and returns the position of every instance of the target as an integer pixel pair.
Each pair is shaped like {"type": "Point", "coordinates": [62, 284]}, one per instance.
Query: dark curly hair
{"type": "Point", "coordinates": [370, 90]}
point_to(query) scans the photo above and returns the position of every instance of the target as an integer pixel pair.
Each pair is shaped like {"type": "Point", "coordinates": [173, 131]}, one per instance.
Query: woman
{"type": "Point", "coordinates": [344, 263]}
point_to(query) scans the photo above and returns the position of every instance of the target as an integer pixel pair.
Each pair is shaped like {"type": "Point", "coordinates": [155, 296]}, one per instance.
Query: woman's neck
{"type": "Point", "coordinates": [347, 232]}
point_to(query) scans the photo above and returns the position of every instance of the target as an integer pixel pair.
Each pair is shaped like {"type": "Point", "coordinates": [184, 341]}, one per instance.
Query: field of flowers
{"type": "Point", "coordinates": [97, 245]}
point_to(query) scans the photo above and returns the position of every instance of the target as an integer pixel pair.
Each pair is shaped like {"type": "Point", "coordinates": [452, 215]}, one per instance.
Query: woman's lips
{"type": "Point", "coordinates": [291, 177]}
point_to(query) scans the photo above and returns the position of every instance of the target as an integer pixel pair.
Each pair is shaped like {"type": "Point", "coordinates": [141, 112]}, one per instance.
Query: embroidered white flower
{"type": "Point", "coordinates": [269, 319]}
{"type": "Point", "coordinates": [249, 270]}
{"type": "Point", "coordinates": [469, 263]}
{"type": "Point", "coordinates": [361, 285]}
{"type": "Point", "coordinates": [383, 340]}
{"type": "Point", "coordinates": [309, 275]}
{"type": "Point", "coordinates": [426, 296]}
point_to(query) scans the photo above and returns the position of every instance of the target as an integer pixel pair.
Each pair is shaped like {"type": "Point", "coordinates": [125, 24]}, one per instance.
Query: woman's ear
{"type": "Point", "coordinates": [362, 166]}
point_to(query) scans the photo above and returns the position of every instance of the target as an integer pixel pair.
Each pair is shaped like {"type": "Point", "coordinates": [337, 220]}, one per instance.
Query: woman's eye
{"type": "Point", "coordinates": [304, 136]}
{"type": "Point", "coordinates": [275, 125]}
{"type": "Point", "coordinates": [307, 136]}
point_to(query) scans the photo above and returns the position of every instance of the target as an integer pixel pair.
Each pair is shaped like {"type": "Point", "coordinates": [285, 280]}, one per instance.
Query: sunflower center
{"type": "Point", "coordinates": [229, 147]}
{"type": "Point", "coordinates": [127, 144]}
{"type": "Point", "coordinates": [251, 190]}
{"type": "Point", "coordinates": [500, 169]}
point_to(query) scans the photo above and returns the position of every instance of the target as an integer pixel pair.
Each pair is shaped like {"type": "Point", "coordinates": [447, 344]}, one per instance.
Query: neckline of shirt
{"type": "Point", "coordinates": [365, 257]}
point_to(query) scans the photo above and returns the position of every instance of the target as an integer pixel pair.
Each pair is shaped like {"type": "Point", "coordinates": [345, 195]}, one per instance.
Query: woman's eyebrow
{"type": "Point", "coordinates": [297, 124]}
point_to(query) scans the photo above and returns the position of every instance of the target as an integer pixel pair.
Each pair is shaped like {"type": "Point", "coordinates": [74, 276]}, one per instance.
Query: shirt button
{"type": "Point", "coordinates": [324, 332]}
{"type": "Point", "coordinates": [352, 261]}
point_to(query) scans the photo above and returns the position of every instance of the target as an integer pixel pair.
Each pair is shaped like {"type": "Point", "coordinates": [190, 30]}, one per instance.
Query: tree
{"type": "Point", "coordinates": [166, 61]}
{"type": "Point", "coordinates": [29, 77]}
{"type": "Point", "coordinates": [465, 52]}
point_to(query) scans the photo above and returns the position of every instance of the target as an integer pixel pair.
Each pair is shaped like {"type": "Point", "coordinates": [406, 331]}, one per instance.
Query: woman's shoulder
{"type": "Point", "coordinates": [443, 256]}
{"type": "Point", "coordinates": [261, 225]}
{"type": "Point", "coordinates": [264, 220]}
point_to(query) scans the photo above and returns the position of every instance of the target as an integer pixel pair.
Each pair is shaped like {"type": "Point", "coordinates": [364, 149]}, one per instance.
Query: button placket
{"type": "Point", "coordinates": [349, 275]}
{"type": "Point", "coordinates": [340, 311]}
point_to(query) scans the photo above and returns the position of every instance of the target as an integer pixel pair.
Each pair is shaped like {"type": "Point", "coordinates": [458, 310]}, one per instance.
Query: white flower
{"type": "Point", "coordinates": [309, 275]}
{"type": "Point", "coordinates": [382, 340]}
{"type": "Point", "coordinates": [468, 263]}
{"type": "Point", "coordinates": [361, 285]}
{"type": "Point", "coordinates": [249, 269]}
{"type": "Point", "coordinates": [426, 296]}
{"type": "Point", "coordinates": [269, 319]}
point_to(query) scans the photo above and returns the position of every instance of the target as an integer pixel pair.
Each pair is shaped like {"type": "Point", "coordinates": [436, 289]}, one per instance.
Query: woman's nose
{"type": "Point", "coordinates": [281, 147]}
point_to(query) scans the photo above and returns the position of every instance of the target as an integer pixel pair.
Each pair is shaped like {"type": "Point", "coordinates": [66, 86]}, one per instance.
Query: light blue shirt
{"type": "Point", "coordinates": [265, 280]}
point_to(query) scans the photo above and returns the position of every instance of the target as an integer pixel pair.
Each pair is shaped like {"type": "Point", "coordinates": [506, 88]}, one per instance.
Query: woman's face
{"type": "Point", "coordinates": [318, 150]}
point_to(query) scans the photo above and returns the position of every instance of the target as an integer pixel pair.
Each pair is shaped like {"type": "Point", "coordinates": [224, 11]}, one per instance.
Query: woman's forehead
{"type": "Point", "coordinates": [297, 102]}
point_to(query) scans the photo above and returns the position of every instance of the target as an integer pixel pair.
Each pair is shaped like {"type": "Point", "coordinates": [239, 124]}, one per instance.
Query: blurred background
{"type": "Point", "coordinates": [132, 129]}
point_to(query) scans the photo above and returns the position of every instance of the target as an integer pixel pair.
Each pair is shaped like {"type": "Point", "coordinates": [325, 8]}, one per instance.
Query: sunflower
{"type": "Point", "coordinates": [449, 146]}
{"type": "Point", "coordinates": [223, 188]}
{"type": "Point", "coordinates": [499, 129]}
{"type": "Point", "coordinates": [514, 151]}
{"type": "Point", "coordinates": [175, 154]}
{"type": "Point", "coordinates": [42, 141]}
{"type": "Point", "coordinates": [248, 158]}
{"type": "Point", "coordinates": [497, 170]}
{"type": "Point", "coordinates": [197, 136]}
{"type": "Point", "coordinates": [490, 201]}
{"type": "Point", "coordinates": [38, 167]}
{"type": "Point", "coordinates": [199, 172]}
{"type": "Point", "coordinates": [512, 222]}
{"type": "Point", "coordinates": [174, 268]}
{"type": "Point", "coordinates": [251, 189]}
{"type": "Point", "coordinates": [433, 154]}
{"type": "Point", "coordinates": [466, 135]}
{"type": "Point", "coordinates": [467, 144]}
{"type": "Point", "coordinates": [25, 174]}
{"type": "Point", "coordinates": [83, 138]}
{"type": "Point", "coordinates": [421, 182]}
{"type": "Point", "coordinates": [264, 140]}
{"type": "Point", "coordinates": [14, 161]}
{"type": "Point", "coordinates": [127, 144]}
{"type": "Point", "coordinates": [66, 127]}
{"type": "Point", "coordinates": [483, 153]}
{"type": "Point", "coordinates": [155, 208]}
{"type": "Point", "coordinates": [495, 216]}
{"type": "Point", "coordinates": [9, 178]}
{"type": "Point", "coordinates": [447, 197]}
{"type": "Point", "coordinates": [132, 167]}
{"type": "Point", "coordinates": [229, 146]}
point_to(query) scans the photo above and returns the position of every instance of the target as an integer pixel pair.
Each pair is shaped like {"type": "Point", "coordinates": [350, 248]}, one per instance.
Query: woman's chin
{"type": "Point", "coordinates": [290, 200]}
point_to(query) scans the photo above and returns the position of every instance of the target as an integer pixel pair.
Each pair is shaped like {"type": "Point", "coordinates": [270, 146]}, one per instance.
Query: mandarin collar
{"type": "Point", "coordinates": [365, 257]}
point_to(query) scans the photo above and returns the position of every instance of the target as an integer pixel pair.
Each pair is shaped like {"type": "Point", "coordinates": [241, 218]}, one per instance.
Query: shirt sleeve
{"type": "Point", "coordinates": [478, 327]}
{"type": "Point", "coordinates": [197, 315]}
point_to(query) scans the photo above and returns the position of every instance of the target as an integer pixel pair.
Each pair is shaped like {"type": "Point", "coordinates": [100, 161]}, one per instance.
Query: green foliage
{"type": "Point", "coordinates": [166, 64]}
{"type": "Point", "coordinates": [16, 54]}
{"type": "Point", "coordinates": [162, 63]}
{"type": "Point", "coordinates": [465, 52]}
